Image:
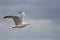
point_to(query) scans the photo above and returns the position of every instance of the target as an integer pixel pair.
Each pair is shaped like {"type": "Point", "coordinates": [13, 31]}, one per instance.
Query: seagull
{"type": "Point", "coordinates": [18, 20]}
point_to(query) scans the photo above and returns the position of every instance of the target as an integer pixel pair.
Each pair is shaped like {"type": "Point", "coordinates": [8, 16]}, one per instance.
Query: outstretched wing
{"type": "Point", "coordinates": [21, 16]}
{"type": "Point", "coordinates": [15, 18]}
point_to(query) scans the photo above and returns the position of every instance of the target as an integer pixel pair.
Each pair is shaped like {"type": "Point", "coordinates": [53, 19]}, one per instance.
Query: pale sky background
{"type": "Point", "coordinates": [43, 16]}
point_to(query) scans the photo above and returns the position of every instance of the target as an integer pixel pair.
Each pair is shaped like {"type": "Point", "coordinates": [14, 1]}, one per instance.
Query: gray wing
{"type": "Point", "coordinates": [16, 19]}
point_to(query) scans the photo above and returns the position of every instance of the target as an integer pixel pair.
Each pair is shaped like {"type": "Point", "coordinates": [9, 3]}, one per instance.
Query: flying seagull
{"type": "Point", "coordinates": [18, 20]}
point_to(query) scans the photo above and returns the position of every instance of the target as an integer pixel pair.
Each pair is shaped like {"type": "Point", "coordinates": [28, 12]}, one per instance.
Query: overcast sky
{"type": "Point", "coordinates": [43, 16]}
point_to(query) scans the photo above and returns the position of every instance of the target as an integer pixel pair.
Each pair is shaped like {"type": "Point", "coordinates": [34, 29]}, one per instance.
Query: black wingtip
{"type": "Point", "coordinates": [4, 17]}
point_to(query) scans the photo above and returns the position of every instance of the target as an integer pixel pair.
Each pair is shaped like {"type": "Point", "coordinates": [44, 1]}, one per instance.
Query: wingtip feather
{"type": "Point", "coordinates": [4, 17]}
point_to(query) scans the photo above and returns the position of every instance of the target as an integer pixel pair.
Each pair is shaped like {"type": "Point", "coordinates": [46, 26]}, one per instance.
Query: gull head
{"type": "Point", "coordinates": [27, 24]}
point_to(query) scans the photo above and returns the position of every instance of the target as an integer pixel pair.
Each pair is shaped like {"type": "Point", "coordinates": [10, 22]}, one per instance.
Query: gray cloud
{"type": "Point", "coordinates": [43, 15]}
{"type": "Point", "coordinates": [39, 29]}
{"type": "Point", "coordinates": [40, 9]}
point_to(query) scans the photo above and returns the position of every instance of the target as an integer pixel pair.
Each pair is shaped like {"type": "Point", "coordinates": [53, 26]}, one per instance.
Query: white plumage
{"type": "Point", "coordinates": [19, 23]}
